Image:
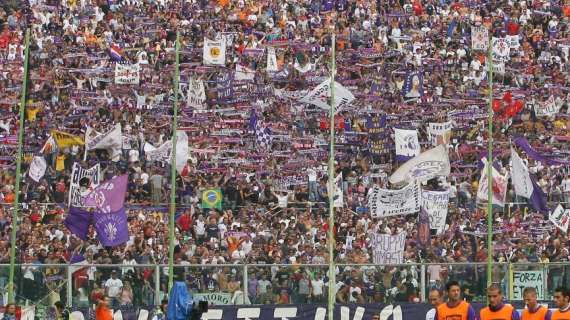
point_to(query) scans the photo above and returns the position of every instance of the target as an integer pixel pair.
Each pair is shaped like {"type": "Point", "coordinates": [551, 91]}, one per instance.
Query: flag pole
{"type": "Point", "coordinates": [173, 167]}
{"type": "Point", "coordinates": [331, 240]}
{"type": "Point", "coordinates": [13, 235]}
{"type": "Point", "coordinates": [490, 168]}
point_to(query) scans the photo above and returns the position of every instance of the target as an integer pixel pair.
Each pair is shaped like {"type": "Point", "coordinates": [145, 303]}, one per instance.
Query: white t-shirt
{"type": "Point", "coordinates": [312, 175]}
{"type": "Point", "coordinates": [317, 286]}
{"type": "Point", "coordinates": [114, 287]}
{"type": "Point", "coordinates": [282, 201]}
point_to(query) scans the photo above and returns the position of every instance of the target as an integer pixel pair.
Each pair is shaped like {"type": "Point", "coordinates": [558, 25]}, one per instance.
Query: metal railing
{"type": "Point", "coordinates": [79, 286]}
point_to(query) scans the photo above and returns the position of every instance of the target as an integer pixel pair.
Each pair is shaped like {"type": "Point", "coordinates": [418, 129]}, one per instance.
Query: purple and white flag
{"type": "Point", "coordinates": [112, 228]}
{"type": "Point", "coordinates": [77, 222]}
{"type": "Point", "coordinates": [109, 196]}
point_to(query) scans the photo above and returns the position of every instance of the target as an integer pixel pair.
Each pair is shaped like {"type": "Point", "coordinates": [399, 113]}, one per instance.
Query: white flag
{"type": "Point", "coordinates": [271, 60]}
{"type": "Point", "coordinates": [196, 94]}
{"type": "Point", "coordinates": [499, 186]}
{"type": "Point", "coordinates": [244, 73]}
{"type": "Point", "coordinates": [182, 150]}
{"type": "Point", "coordinates": [407, 144]}
{"type": "Point", "coordinates": [439, 133]}
{"type": "Point", "coordinates": [426, 166]}
{"type": "Point", "coordinates": [521, 178]}
{"type": "Point", "coordinates": [479, 38]}
{"type": "Point", "coordinates": [112, 141]}
{"type": "Point", "coordinates": [321, 94]}
{"type": "Point", "coordinates": [560, 218]}
{"type": "Point", "coordinates": [37, 168]}
{"type": "Point", "coordinates": [338, 195]}
{"type": "Point", "coordinates": [214, 52]}
{"type": "Point", "coordinates": [501, 49]}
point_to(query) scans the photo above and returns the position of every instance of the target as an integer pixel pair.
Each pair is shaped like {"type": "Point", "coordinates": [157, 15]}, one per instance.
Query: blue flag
{"type": "Point", "coordinates": [180, 302]}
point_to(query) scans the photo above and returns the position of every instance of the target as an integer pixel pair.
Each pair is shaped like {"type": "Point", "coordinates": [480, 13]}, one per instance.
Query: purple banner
{"type": "Point", "coordinates": [522, 142]}
{"type": "Point", "coordinates": [112, 228]}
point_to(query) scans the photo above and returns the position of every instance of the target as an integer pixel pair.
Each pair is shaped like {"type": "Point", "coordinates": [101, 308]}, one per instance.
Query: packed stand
{"type": "Point", "coordinates": [275, 197]}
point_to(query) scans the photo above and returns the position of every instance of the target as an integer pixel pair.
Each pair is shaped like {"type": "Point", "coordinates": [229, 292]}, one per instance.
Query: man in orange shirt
{"type": "Point", "coordinates": [533, 310]}
{"type": "Point", "coordinates": [455, 308]}
{"type": "Point", "coordinates": [562, 301]}
{"type": "Point", "coordinates": [497, 309]}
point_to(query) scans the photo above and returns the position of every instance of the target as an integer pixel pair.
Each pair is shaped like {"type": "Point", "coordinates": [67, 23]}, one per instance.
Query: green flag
{"type": "Point", "coordinates": [212, 198]}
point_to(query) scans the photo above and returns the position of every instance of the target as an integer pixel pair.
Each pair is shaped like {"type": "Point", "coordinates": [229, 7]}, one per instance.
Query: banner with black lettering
{"type": "Point", "coordinates": [435, 203]}
{"type": "Point", "coordinates": [127, 73]}
{"type": "Point", "coordinates": [385, 203]}
{"type": "Point", "coordinates": [83, 181]}
{"type": "Point", "coordinates": [388, 249]}
{"type": "Point", "coordinates": [439, 133]}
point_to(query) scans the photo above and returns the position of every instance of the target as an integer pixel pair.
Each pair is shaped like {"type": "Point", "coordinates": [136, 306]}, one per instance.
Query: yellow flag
{"type": "Point", "coordinates": [65, 140]}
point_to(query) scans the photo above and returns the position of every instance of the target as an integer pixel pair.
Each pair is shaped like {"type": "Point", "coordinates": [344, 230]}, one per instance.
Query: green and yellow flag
{"type": "Point", "coordinates": [212, 198]}
{"type": "Point", "coordinates": [64, 139]}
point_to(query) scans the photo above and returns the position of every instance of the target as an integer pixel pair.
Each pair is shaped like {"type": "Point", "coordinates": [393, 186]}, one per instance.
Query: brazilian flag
{"type": "Point", "coordinates": [212, 198]}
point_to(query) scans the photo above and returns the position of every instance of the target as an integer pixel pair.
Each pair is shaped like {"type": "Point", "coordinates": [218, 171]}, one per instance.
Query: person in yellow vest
{"type": "Point", "coordinates": [562, 301]}
{"type": "Point", "coordinates": [497, 310]}
{"type": "Point", "coordinates": [533, 310]}
{"type": "Point", "coordinates": [455, 308]}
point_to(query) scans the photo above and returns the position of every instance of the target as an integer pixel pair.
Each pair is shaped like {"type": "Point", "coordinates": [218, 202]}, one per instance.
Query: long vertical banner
{"type": "Point", "coordinates": [78, 174]}
{"type": "Point", "coordinates": [388, 249]}
{"type": "Point", "coordinates": [435, 203]}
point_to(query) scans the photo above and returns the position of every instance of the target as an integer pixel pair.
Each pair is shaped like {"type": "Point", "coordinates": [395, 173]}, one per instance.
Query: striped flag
{"type": "Point", "coordinates": [115, 52]}
{"type": "Point", "coordinates": [263, 135]}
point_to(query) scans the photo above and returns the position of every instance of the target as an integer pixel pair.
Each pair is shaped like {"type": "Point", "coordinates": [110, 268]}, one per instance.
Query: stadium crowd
{"type": "Point", "coordinates": [275, 200]}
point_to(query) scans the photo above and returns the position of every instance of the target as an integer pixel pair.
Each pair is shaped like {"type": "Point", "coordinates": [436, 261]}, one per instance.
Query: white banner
{"type": "Point", "coordinates": [501, 49]}
{"type": "Point", "coordinates": [499, 186]}
{"type": "Point", "coordinates": [385, 203]}
{"type": "Point", "coordinates": [127, 73]}
{"type": "Point", "coordinates": [560, 218]}
{"type": "Point", "coordinates": [321, 94]}
{"type": "Point", "coordinates": [436, 203]}
{"type": "Point", "coordinates": [479, 38]}
{"type": "Point", "coordinates": [214, 298]}
{"type": "Point", "coordinates": [407, 144]}
{"type": "Point", "coordinates": [521, 178]}
{"type": "Point", "coordinates": [388, 249]}
{"type": "Point", "coordinates": [37, 168]}
{"type": "Point", "coordinates": [78, 192]}
{"type": "Point", "coordinates": [513, 41]}
{"type": "Point", "coordinates": [214, 52]}
{"type": "Point", "coordinates": [439, 133]}
{"type": "Point", "coordinates": [547, 108]}
{"type": "Point", "coordinates": [196, 94]}
{"type": "Point", "coordinates": [524, 279]}
{"type": "Point", "coordinates": [244, 73]}
{"type": "Point", "coordinates": [426, 166]}
{"type": "Point", "coordinates": [271, 60]}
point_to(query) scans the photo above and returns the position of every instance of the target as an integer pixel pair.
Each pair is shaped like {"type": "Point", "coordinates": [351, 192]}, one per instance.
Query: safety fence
{"type": "Point", "coordinates": [81, 285]}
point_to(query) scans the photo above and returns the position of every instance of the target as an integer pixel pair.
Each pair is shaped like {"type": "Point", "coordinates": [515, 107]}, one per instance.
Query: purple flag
{"type": "Point", "coordinates": [109, 196]}
{"type": "Point", "coordinates": [423, 228]}
{"type": "Point", "coordinates": [522, 142]}
{"type": "Point", "coordinates": [112, 228]}
{"type": "Point", "coordinates": [77, 221]}
{"type": "Point", "coordinates": [538, 198]}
